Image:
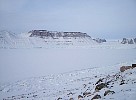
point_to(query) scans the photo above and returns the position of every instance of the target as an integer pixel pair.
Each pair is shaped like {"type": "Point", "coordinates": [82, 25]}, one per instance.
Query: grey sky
{"type": "Point", "coordinates": [99, 18]}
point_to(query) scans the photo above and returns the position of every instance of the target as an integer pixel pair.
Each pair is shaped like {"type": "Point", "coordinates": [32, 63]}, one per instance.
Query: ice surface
{"type": "Point", "coordinates": [22, 63]}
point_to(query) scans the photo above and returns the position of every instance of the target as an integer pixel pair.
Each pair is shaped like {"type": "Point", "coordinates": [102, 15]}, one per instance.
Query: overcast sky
{"type": "Point", "coordinates": [98, 18]}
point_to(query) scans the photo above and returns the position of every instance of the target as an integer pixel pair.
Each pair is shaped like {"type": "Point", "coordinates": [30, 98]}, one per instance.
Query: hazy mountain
{"type": "Point", "coordinates": [43, 38]}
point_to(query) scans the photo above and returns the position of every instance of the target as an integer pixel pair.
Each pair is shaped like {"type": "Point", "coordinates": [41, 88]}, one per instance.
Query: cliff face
{"type": "Point", "coordinates": [128, 41]}
{"type": "Point", "coordinates": [56, 35]}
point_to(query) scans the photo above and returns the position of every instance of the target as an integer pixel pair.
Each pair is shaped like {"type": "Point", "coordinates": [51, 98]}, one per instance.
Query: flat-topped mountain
{"type": "Point", "coordinates": [44, 38]}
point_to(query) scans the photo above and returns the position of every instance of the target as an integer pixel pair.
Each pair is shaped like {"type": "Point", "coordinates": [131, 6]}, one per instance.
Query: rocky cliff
{"type": "Point", "coordinates": [129, 41]}
{"type": "Point", "coordinates": [56, 35]}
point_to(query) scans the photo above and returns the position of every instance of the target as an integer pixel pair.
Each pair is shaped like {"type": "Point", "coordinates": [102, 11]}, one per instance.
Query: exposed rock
{"type": "Point", "coordinates": [70, 93]}
{"type": "Point", "coordinates": [71, 99]}
{"type": "Point", "coordinates": [108, 92]}
{"type": "Point", "coordinates": [122, 82]}
{"type": "Point", "coordinates": [135, 40]}
{"type": "Point", "coordinates": [128, 41]}
{"type": "Point", "coordinates": [100, 86]}
{"type": "Point", "coordinates": [96, 97]}
{"type": "Point", "coordinates": [123, 68]}
{"type": "Point", "coordinates": [80, 97]}
{"type": "Point", "coordinates": [99, 40]}
{"type": "Point", "coordinates": [133, 65]}
{"type": "Point", "coordinates": [124, 41]}
{"type": "Point", "coordinates": [34, 96]}
{"type": "Point", "coordinates": [59, 98]}
{"type": "Point", "coordinates": [86, 94]}
{"type": "Point", "coordinates": [100, 80]}
{"type": "Point", "coordinates": [56, 35]}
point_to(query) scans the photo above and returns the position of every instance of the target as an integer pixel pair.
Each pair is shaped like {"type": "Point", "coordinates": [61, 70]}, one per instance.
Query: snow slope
{"type": "Point", "coordinates": [72, 84]}
{"type": "Point", "coordinates": [78, 67]}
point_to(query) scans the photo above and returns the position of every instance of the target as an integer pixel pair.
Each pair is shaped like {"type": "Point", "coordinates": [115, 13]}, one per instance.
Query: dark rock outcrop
{"type": "Point", "coordinates": [80, 97]}
{"type": "Point", "coordinates": [59, 98]}
{"type": "Point", "coordinates": [56, 35]}
{"type": "Point", "coordinates": [128, 41]}
{"type": "Point", "coordinates": [86, 94]}
{"type": "Point", "coordinates": [100, 80]}
{"type": "Point", "coordinates": [135, 40]}
{"type": "Point", "coordinates": [108, 92]}
{"type": "Point", "coordinates": [123, 68]}
{"type": "Point", "coordinates": [133, 65]}
{"type": "Point", "coordinates": [99, 40]}
{"type": "Point", "coordinates": [96, 97]}
{"type": "Point", "coordinates": [100, 86]}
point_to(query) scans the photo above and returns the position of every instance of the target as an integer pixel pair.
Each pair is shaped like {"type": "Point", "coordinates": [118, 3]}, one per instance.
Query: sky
{"type": "Point", "coordinates": [98, 18]}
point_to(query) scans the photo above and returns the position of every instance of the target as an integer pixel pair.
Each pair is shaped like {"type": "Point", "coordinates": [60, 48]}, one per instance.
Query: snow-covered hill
{"type": "Point", "coordinates": [11, 40]}
{"type": "Point", "coordinates": [6, 38]}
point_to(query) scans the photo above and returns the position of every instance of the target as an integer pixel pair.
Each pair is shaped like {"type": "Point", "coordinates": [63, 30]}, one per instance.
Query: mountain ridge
{"type": "Point", "coordinates": [43, 38]}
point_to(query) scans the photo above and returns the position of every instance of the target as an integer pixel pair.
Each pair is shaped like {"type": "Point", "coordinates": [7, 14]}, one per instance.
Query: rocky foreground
{"type": "Point", "coordinates": [119, 86]}
{"type": "Point", "coordinates": [87, 84]}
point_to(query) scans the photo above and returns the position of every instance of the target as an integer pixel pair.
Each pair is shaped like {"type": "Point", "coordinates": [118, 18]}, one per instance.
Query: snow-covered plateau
{"type": "Point", "coordinates": [34, 70]}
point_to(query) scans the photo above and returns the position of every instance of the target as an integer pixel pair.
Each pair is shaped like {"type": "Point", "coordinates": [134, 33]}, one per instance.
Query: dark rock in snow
{"type": "Point", "coordinates": [108, 92]}
{"type": "Point", "coordinates": [34, 96]}
{"type": "Point", "coordinates": [79, 96]}
{"type": "Point", "coordinates": [70, 93]}
{"type": "Point", "coordinates": [123, 68]}
{"type": "Point", "coordinates": [99, 40]}
{"type": "Point", "coordinates": [71, 99]}
{"type": "Point", "coordinates": [128, 41]}
{"type": "Point", "coordinates": [86, 94]}
{"type": "Point", "coordinates": [59, 98]}
{"type": "Point", "coordinates": [100, 80]}
{"type": "Point", "coordinates": [133, 65]}
{"type": "Point", "coordinates": [100, 86]}
{"type": "Point", "coordinates": [135, 40]}
{"type": "Point", "coordinates": [122, 82]}
{"type": "Point", "coordinates": [124, 41]}
{"type": "Point", "coordinates": [96, 97]}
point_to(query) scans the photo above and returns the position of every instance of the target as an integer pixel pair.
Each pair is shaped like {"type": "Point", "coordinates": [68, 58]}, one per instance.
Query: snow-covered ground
{"type": "Point", "coordinates": [50, 73]}
{"type": "Point", "coordinates": [40, 62]}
